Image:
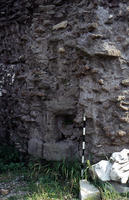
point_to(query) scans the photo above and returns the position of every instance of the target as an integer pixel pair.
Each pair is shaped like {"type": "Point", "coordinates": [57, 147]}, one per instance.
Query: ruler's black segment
{"type": "Point", "coordinates": [84, 123]}
{"type": "Point", "coordinates": [83, 138]}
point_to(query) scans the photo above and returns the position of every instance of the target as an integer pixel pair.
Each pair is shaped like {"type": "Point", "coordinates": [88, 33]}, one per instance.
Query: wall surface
{"type": "Point", "coordinates": [61, 59]}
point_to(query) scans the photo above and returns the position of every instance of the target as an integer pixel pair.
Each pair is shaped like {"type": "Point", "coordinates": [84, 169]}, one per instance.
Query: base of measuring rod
{"type": "Point", "coordinates": [88, 191]}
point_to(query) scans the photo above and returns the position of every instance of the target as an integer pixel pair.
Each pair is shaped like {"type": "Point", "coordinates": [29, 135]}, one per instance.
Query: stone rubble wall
{"type": "Point", "coordinates": [59, 60]}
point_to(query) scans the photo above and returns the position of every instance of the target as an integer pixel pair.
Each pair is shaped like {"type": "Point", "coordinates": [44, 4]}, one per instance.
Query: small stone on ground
{"type": "Point", "coordinates": [88, 191]}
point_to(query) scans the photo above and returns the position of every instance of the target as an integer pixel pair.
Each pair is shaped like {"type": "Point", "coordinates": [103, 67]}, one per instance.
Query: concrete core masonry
{"type": "Point", "coordinates": [58, 60]}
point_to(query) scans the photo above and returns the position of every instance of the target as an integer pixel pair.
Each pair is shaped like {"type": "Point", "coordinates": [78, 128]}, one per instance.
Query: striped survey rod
{"type": "Point", "coordinates": [83, 146]}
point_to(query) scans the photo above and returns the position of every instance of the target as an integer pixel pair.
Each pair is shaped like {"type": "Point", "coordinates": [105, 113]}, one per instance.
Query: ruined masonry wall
{"type": "Point", "coordinates": [59, 60]}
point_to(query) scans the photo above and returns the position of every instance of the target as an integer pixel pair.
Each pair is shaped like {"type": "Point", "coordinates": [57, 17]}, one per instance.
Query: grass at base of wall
{"type": "Point", "coordinates": [43, 180]}
{"type": "Point", "coordinates": [53, 180]}
{"type": "Point", "coordinates": [37, 179]}
{"type": "Point", "coordinates": [34, 179]}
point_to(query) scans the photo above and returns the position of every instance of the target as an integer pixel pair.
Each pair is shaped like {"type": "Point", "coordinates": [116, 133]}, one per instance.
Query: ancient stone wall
{"type": "Point", "coordinates": [59, 60]}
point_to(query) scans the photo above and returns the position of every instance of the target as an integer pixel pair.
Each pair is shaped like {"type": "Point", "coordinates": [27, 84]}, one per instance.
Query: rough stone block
{"type": "Point", "coordinates": [60, 25]}
{"type": "Point", "coordinates": [120, 188]}
{"type": "Point", "coordinates": [102, 170]}
{"type": "Point", "coordinates": [88, 191]}
{"type": "Point", "coordinates": [100, 49]}
{"type": "Point", "coordinates": [125, 82]}
{"type": "Point", "coordinates": [35, 147]}
{"type": "Point", "coordinates": [116, 169]}
{"type": "Point", "coordinates": [60, 150]}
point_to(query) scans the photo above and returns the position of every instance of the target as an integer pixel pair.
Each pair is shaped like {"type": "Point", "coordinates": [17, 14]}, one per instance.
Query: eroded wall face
{"type": "Point", "coordinates": [60, 60]}
{"type": "Point", "coordinates": [15, 18]}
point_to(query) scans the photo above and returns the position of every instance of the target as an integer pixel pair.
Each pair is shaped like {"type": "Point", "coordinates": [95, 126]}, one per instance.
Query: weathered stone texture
{"type": "Point", "coordinates": [60, 59]}
{"type": "Point", "coordinates": [88, 191]}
